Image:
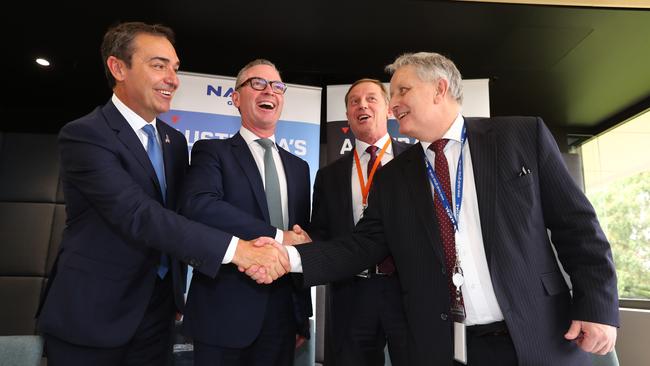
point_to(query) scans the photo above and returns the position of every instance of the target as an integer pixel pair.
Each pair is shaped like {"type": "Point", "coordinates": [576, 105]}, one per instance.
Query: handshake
{"type": "Point", "coordinates": [264, 259]}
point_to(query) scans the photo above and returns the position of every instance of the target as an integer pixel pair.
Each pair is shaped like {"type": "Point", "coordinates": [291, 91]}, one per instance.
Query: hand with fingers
{"type": "Point", "coordinates": [268, 261]}
{"type": "Point", "coordinates": [592, 337]}
{"type": "Point", "coordinates": [296, 236]}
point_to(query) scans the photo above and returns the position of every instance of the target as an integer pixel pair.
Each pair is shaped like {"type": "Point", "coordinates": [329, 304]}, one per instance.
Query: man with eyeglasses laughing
{"type": "Point", "coordinates": [248, 186]}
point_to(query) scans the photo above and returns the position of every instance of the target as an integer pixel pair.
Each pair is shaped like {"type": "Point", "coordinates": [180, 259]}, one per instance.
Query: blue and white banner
{"type": "Point", "coordinates": [202, 109]}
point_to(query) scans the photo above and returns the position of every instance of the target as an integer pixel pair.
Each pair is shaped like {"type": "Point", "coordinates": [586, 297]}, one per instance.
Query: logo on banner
{"type": "Point", "coordinates": [220, 91]}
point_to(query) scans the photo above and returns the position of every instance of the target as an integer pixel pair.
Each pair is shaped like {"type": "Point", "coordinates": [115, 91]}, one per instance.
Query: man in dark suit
{"type": "Point", "coordinates": [115, 289]}
{"type": "Point", "coordinates": [364, 311]}
{"type": "Point", "coordinates": [249, 186]}
{"type": "Point", "coordinates": [475, 263]}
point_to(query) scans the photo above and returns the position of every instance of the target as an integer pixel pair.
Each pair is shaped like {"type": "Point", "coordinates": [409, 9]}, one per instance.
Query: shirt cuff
{"type": "Point", "coordinates": [279, 236]}
{"type": "Point", "coordinates": [294, 259]}
{"type": "Point", "coordinates": [230, 252]}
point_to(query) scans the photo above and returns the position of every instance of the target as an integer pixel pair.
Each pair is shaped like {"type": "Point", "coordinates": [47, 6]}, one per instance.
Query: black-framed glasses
{"type": "Point", "coordinates": [258, 83]}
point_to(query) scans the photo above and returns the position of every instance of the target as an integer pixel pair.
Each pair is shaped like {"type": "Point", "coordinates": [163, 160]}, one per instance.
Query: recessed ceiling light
{"type": "Point", "coordinates": [43, 62]}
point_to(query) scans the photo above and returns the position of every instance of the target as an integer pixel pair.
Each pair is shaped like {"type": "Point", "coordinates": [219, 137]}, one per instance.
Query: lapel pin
{"type": "Point", "coordinates": [167, 139]}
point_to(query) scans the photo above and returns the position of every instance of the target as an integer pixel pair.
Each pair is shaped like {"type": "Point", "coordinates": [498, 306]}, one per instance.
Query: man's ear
{"type": "Point", "coordinates": [117, 68]}
{"type": "Point", "coordinates": [235, 99]}
{"type": "Point", "coordinates": [441, 88]}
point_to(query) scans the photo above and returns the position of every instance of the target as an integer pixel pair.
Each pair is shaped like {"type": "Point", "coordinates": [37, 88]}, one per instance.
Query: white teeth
{"type": "Point", "coordinates": [266, 105]}
{"type": "Point", "coordinates": [363, 117]}
{"type": "Point", "coordinates": [401, 115]}
{"type": "Point", "coordinates": [165, 92]}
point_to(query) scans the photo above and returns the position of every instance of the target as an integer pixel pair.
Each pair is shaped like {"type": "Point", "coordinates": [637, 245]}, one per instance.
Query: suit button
{"type": "Point", "coordinates": [443, 271]}
{"type": "Point", "coordinates": [443, 316]}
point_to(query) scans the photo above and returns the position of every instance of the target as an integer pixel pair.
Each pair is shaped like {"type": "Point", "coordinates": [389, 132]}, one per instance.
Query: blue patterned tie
{"type": "Point", "coordinates": [155, 155]}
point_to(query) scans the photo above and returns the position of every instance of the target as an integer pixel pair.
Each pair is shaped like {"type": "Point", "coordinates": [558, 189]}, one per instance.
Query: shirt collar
{"type": "Point", "coordinates": [453, 133]}
{"type": "Point", "coordinates": [133, 119]}
{"type": "Point", "coordinates": [250, 137]}
{"type": "Point", "coordinates": [361, 146]}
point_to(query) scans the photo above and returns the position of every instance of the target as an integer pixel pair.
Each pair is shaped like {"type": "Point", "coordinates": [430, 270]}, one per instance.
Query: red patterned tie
{"type": "Point", "coordinates": [444, 223]}
{"type": "Point", "coordinates": [386, 266]}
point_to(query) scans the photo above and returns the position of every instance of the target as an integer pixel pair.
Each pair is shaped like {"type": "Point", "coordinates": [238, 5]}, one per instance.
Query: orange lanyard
{"type": "Point", "coordinates": [365, 188]}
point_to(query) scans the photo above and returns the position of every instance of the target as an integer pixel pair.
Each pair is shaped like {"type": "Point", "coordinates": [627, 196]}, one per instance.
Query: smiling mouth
{"type": "Point", "coordinates": [401, 115]}
{"type": "Point", "coordinates": [167, 93]}
{"type": "Point", "coordinates": [363, 117]}
{"type": "Point", "coordinates": [266, 105]}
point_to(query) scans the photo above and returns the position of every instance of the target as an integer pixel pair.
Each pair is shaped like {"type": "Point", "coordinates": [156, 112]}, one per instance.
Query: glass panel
{"type": "Point", "coordinates": [617, 181]}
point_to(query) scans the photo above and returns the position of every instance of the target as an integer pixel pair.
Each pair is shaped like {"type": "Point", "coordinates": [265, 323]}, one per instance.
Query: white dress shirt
{"type": "Point", "coordinates": [136, 122]}
{"type": "Point", "coordinates": [364, 157]}
{"type": "Point", "coordinates": [481, 305]}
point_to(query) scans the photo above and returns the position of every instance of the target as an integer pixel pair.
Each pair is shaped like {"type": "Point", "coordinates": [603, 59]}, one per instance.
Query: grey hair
{"type": "Point", "coordinates": [431, 66]}
{"type": "Point", "coordinates": [259, 61]}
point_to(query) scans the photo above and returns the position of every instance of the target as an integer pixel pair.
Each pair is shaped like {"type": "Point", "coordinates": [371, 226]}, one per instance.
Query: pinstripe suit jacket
{"type": "Point", "coordinates": [516, 212]}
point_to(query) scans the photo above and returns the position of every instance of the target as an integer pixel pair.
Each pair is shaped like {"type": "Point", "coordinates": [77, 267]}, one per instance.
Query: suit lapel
{"type": "Point", "coordinates": [291, 189]}
{"type": "Point", "coordinates": [483, 149]}
{"type": "Point", "coordinates": [127, 136]}
{"type": "Point", "coordinates": [418, 186]}
{"type": "Point", "coordinates": [244, 158]}
{"type": "Point", "coordinates": [344, 174]}
{"type": "Point", "coordinates": [168, 158]}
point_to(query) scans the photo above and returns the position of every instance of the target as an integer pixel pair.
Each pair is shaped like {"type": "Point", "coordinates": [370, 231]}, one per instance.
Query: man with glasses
{"type": "Point", "coordinates": [248, 186]}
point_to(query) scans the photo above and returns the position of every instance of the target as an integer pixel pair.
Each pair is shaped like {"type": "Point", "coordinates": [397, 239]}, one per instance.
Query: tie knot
{"type": "Point", "coordinates": [149, 130]}
{"type": "Point", "coordinates": [266, 143]}
{"type": "Point", "coordinates": [372, 150]}
{"type": "Point", "coordinates": [438, 146]}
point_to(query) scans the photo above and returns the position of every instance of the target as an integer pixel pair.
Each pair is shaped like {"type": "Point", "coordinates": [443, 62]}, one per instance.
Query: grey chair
{"type": "Point", "coordinates": [24, 350]}
{"type": "Point", "coordinates": [610, 359]}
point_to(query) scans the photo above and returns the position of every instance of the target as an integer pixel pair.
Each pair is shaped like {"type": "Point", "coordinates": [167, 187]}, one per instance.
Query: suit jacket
{"type": "Point", "coordinates": [224, 189]}
{"type": "Point", "coordinates": [332, 217]}
{"type": "Point", "coordinates": [116, 228]}
{"type": "Point", "coordinates": [515, 212]}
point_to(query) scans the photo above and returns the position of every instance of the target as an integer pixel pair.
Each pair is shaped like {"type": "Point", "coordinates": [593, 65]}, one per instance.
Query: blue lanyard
{"type": "Point", "coordinates": [459, 183]}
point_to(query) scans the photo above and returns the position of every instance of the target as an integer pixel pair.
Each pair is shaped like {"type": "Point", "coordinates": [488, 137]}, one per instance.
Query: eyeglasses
{"type": "Point", "coordinates": [257, 83]}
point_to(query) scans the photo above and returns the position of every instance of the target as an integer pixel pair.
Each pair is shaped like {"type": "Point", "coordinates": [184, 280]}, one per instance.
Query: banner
{"type": "Point", "coordinates": [476, 103]}
{"type": "Point", "coordinates": [202, 109]}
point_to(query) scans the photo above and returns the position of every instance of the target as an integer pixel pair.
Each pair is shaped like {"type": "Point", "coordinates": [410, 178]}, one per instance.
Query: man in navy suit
{"type": "Point", "coordinates": [365, 311]}
{"type": "Point", "coordinates": [116, 287]}
{"type": "Point", "coordinates": [249, 186]}
{"type": "Point", "coordinates": [465, 215]}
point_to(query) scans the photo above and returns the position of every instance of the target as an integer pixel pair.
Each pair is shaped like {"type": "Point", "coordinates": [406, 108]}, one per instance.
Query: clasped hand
{"type": "Point", "coordinates": [265, 260]}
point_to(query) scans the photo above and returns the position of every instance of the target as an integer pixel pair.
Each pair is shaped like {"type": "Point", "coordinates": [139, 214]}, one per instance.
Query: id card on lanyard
{"type": "Point", "coordinates": [460, 330]}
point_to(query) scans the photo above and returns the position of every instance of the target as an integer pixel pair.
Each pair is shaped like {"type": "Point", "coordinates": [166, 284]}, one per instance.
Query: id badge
{"type": "Point", "coordinates": [460, 343]}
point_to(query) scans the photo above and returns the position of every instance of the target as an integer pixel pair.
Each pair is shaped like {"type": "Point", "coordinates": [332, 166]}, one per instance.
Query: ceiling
{"type": "Point", "coordinates": [581, 69]}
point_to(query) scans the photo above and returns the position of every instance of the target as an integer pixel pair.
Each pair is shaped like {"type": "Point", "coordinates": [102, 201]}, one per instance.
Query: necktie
{"type": "Point", "coordinates": [272, 185]}
{"type": "Point", "coordinates": [155, 155]}
{"type": "Point", "coordinates": [447, 234]}
{"type": "Point", "coordinates": [386, 266]}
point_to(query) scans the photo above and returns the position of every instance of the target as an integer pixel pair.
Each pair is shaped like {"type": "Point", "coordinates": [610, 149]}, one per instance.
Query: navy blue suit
{"type": "Point", "coordinates": [377, 299]}
{"type": "Point", "coordinates": [224, 189]}
{"type": "Point", "coordinates": [515, 213]}
{"type": "Point", "coordinates": [117, 226]}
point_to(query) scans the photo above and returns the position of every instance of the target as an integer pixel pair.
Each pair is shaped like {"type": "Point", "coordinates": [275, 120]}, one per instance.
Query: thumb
{"type": "Point", "coordinates": [574, 330]}
{"type": "Point", "coordinates": [262, 241]}
{"type": "Point", "coordinates": [297, 229]}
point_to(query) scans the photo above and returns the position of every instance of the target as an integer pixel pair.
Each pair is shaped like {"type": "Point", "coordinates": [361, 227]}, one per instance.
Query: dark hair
{"type": "Point", "coordinates": [118, 42]}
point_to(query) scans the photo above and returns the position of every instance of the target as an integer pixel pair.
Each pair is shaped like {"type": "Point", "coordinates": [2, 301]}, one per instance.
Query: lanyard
{"type": "Point", "coordinates": [365, 188]}
{"type": "Point", "coordinates": [459, 183]}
